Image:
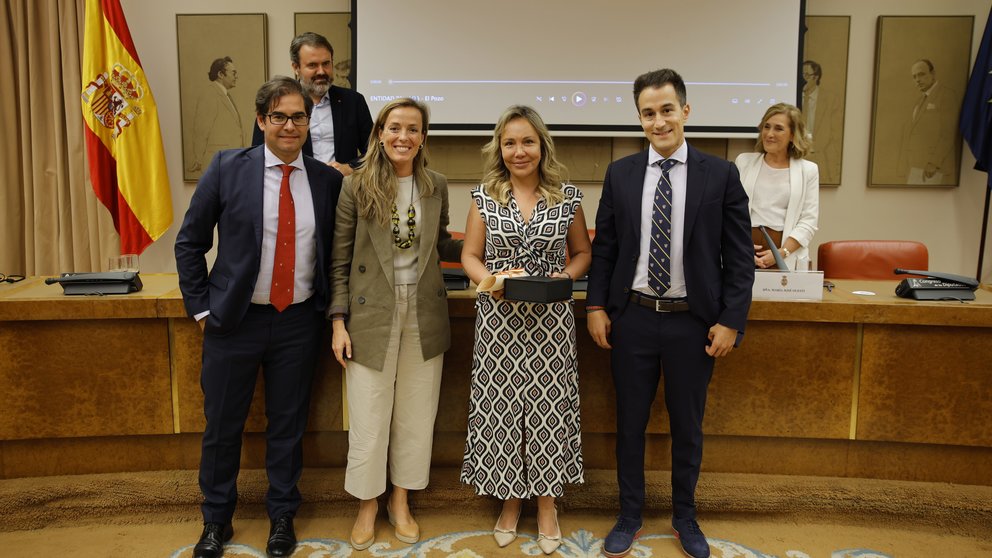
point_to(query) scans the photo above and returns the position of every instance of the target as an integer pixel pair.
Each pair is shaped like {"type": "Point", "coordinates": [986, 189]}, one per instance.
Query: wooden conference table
{"type": "Point", "coordinates": [855, 385]}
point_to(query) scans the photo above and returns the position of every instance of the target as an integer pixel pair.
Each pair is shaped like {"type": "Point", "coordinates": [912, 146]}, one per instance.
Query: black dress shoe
{"type": "Point", "coordinates": [211, 543]}
{"type": "Point", "coordinates": [282, 537]}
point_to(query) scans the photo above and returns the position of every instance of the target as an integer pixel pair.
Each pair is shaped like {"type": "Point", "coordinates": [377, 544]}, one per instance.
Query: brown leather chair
{"type": "Point", "coordinates": [870, 259]}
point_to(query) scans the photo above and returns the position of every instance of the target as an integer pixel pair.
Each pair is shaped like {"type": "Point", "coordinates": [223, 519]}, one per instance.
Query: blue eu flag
{"type": "Point", "coordinates": [976, 111]}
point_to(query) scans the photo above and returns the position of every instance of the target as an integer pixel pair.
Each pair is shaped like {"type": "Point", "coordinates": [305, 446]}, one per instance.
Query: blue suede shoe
{"type": "Point", "coordinates": [691, 538]}
{"type": "Point", "coordinates": [622, 537]}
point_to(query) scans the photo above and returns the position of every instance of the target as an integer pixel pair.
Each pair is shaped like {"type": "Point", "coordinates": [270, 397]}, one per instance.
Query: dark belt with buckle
{"type": "Point", "coordinates": [660, 304]}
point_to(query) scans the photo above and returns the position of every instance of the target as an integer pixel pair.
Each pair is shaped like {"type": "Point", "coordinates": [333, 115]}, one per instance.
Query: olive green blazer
{"type": "Point", "coordinates": [362, 276]}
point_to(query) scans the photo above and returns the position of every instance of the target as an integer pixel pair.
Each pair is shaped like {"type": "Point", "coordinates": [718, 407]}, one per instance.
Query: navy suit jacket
{"type": "Point", "coordinates": [717, 254]}
{"type": "Point", "coordinates": [229, 197]}
{"type": "Point", "coordinates": [352, 127]}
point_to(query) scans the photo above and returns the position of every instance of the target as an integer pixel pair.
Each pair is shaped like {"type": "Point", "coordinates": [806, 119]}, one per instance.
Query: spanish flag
{"type": "Point", "coordinates": [123, 138]}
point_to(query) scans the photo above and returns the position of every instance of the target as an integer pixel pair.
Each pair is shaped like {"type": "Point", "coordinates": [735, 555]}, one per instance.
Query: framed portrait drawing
{"type": "Point", "coordinates": [222, 62]}
{"type": "Point", "coordinates": [824, 92]}
{"type": "Point", "coordinates": [336, 27]}
{"type": "Point", "coordinates": [921, 71]}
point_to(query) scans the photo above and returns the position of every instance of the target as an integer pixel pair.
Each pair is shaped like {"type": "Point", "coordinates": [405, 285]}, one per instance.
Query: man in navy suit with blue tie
{"type": "Point", "coordinates": [669, 291]}
{"type": "Point", "coordinates": [260, 305]}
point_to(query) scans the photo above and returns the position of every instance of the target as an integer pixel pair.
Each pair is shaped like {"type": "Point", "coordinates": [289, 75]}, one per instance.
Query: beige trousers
{"type": "Point", "coordinates": [391, 412]}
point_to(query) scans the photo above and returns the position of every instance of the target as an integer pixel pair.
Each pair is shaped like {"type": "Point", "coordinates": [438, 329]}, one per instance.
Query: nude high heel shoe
{"type": "Point", "coordinates": [506, 536]}
{"type": "Point", "coordinates": [360, 540]}
{"type": "Point", "coordinates": [406, 532]}
{"type": "Point", "coordinates": [550, 544]}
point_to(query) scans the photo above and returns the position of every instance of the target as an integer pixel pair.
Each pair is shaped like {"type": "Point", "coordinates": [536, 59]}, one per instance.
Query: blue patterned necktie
{"type": "Point", "coordinates": [660, 261]}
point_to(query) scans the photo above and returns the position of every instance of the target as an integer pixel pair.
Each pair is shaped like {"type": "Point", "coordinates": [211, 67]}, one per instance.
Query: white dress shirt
{"type": "Point", "coordinates": [322, 130]}
{"type": "Point", "coordinates": [306, 229]}
{"type": "Point", "coordinates": [677, 176]}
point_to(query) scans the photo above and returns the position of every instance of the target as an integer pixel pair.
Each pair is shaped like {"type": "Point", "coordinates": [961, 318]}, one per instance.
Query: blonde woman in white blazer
{"type": "Point", "coordinates": [783, 189]}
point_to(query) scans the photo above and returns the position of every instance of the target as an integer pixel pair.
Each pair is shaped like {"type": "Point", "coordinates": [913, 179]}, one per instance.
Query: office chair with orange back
{"type": "Point", "coordinates": [870, 259]}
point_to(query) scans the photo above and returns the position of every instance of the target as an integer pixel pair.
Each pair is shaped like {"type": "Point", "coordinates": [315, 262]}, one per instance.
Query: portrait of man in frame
{"type": "Point", "coordinates": [921, 71]}
{"type": "Point", "coordinates": [222, 61]}
{"type": "Point", "coordinates": [824, 90]}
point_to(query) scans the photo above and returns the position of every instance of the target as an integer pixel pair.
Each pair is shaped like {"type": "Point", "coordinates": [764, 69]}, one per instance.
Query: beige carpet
{"type": "Point", "coordinates": [745, 516]}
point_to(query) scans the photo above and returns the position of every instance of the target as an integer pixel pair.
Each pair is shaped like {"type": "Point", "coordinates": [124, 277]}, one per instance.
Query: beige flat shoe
{"type": "Point", "coordinates": [506, 536]}
{"type": "Point", "coordinates": [406, 532]}
{"type": "Point", "coordinates": [550, 544]}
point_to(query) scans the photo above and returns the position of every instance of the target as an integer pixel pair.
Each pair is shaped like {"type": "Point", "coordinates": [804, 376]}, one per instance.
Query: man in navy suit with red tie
{"type": "Point", "coordinates": [669, 291]}
{"type": "Point", "coordinates": [260, 305]}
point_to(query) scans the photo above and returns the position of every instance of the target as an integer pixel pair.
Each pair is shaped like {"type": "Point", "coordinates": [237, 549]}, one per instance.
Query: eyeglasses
{"type": "Point", "coordinates": [280, 119]}
{"type": "Point", "coordinates": [4, 278]}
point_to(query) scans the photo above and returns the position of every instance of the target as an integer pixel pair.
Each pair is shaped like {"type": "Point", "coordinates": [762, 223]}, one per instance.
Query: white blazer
{"type": "Point", "coordinates": [803, 211]}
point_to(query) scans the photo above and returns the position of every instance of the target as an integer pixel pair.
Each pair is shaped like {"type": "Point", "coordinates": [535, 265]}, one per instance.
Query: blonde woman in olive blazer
{"type": "Point", "coordinates": [362, 276]}
{"type": "Point", "coordinates": [390, 315]}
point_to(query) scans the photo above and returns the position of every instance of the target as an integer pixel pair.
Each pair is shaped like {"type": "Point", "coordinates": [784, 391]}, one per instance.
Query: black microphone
{"type": "Point", "coordinates": [779, 262]}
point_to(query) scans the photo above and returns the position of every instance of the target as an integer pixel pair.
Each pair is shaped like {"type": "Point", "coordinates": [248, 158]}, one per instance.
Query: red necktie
{"type": "Point", "coordinates": [283, 276]}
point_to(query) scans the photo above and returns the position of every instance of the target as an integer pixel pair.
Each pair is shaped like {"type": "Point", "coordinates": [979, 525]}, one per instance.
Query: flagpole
{"type": "Point", "coordinates": [985, 228]}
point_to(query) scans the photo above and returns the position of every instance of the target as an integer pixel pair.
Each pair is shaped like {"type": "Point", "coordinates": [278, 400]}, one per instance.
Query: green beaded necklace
{"type": "Point", "coordinates": [411, 221]}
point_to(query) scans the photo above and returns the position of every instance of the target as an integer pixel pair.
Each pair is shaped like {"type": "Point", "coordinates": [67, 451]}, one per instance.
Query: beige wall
{"type": "Point", "coordinates": [947, 220]}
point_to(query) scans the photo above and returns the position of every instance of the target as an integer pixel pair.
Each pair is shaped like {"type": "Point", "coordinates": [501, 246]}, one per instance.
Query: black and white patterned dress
{"type": "Point", "coordinates": [524, 435]}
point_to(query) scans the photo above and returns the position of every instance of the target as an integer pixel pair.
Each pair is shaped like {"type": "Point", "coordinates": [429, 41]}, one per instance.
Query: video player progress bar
{"type": "Point", "coordinates": [552, 82]}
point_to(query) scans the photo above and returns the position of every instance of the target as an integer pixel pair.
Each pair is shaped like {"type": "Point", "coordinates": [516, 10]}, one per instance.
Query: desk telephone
{"type": "Point", "coordinates": [107, 283]}
{"type": "Point", "coordinates": [935, 286]}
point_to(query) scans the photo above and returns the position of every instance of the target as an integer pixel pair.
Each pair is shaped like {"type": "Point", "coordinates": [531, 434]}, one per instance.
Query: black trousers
{"type": "Point", "coordinates": [649, 346]}
{"type": "Point", "coordinates": [285, 345]}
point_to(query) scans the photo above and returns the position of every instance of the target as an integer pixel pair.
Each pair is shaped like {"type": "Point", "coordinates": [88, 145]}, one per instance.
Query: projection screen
{"type": "Point", "coordinates": [575, 60]}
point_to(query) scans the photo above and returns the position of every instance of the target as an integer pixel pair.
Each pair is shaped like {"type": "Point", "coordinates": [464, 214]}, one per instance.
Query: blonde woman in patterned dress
{"type": "Point", "coordinates": [523, 425]}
